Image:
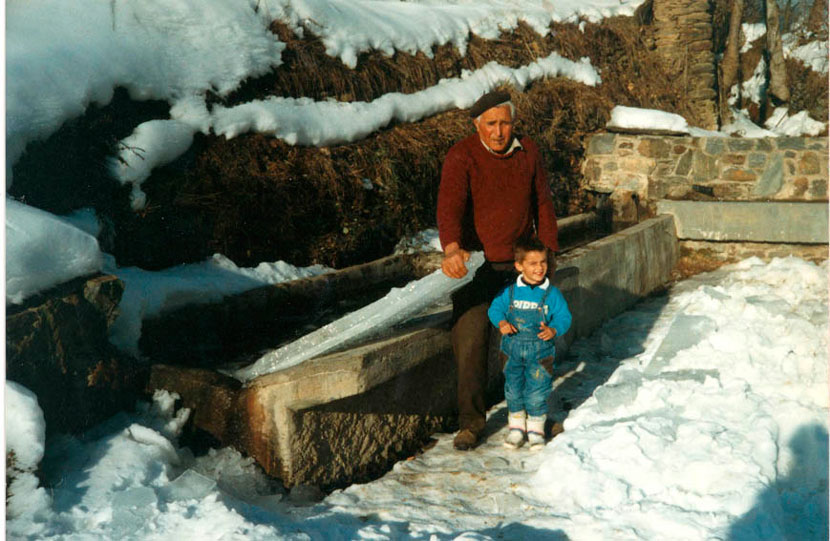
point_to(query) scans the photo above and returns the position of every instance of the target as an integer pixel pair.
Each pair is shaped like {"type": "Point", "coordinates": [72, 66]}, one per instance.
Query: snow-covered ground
{"type": "Point", "coordinates": [691, 434]}
{"type": "Point", "coordinates": [697, 415]}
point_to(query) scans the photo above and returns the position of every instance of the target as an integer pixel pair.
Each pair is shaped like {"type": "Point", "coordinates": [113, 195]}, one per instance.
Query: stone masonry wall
{"type": "Point", "coordinates": [683, 36]}
{"type": "Point", "coordinates": [639, 169]}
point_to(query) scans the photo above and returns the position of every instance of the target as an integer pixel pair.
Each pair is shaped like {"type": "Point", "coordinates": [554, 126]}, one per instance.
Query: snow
{"type": "Point", "coordinates": [302, 121]}
{"type": "Point", "coordinates": [814, 55]}
{"type": "Point", "coordinates": [149, 293]}
{"type": "Point", "coordinates": [25, 431]}
{"type": "Point", "coordinates": [43, 250]}
{"type": "Point", "coordinates": [152, 144]}
{"type": "Point", "coordinates": [793, 125]}
{"type": "Point", "coordinates": [638, 119]}
{"type": "Point", "coordinates": [701, 414]}
{"type": "Point", "coordinates": [713, 421]}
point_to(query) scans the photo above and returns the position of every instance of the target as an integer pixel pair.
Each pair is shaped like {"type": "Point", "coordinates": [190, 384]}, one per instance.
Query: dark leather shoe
{"type": "Point", "coordinates": [465, 439]}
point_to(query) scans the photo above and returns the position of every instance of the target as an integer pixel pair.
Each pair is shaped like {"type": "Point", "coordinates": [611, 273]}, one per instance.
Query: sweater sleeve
{"type": "Point", "coordinates": [498, 308]}
{"type": "Point", "coordinates": [452, 197]}
{"type": "Point", "coordinates": [559, 316]}
{"type": "Point", "coordinates": [546, 214]}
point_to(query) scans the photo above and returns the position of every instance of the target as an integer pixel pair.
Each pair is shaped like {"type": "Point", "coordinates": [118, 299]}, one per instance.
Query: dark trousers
{"type": "Point", "coordinates": [471, 338]}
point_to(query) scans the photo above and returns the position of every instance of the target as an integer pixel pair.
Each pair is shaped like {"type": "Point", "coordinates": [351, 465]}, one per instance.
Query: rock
{"type": "Point", "coordinates": [56, 346]}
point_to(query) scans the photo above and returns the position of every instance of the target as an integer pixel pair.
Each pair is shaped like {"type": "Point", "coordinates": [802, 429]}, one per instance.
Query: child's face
{"type": "Point", "coordinates": [533, 267]}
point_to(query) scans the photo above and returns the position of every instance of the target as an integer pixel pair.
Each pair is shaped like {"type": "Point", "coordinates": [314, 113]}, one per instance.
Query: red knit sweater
{"type": "Point", "coordinates": [486, 200]}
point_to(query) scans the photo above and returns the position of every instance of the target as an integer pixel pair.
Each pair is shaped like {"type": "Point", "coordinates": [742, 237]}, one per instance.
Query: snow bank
{"type": "Point", "coordinates": [42, 250]}
{"type": "Point", "coordinates": [712, 425]}
{"type": "Point", "coordinates": [25, 444]}
{"type": "Point", "coordinates": [692, 434]}
{"type": "Point", "coordinates": [155, 49]}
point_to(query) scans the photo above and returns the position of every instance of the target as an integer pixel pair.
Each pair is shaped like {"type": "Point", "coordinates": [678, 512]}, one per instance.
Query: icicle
{"type": "Point", "coordinates": [398, 305]}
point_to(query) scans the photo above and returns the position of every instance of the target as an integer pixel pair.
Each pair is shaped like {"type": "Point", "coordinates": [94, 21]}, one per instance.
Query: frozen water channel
{"type": "Point", "coordinates": [701, 414]}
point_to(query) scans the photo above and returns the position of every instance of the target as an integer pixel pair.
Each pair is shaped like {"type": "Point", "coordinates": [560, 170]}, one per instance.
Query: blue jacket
{"type": "Point", "coordinates": [526, 297]}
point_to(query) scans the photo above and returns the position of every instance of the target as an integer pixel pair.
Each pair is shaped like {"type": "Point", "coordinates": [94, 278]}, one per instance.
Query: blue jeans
{"type": "Point", "coordinates": [528, 374]}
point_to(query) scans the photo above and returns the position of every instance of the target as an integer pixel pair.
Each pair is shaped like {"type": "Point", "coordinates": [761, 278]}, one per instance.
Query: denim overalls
{"type": "Point", "coordinates": [529, 367]}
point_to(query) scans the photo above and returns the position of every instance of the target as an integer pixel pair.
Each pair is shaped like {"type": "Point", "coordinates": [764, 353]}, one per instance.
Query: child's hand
{"type": "Point", "coordinates": [505, 327]}
{"type": "Point", "coordinates": [546, 333]}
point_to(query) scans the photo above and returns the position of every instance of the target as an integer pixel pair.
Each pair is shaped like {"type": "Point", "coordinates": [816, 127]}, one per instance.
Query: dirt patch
{"type": "Point", "coordinates": [693, 262]}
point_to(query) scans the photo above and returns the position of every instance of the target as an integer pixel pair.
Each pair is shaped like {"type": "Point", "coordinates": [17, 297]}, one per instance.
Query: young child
{"type": "Point", "coordinates": [529, 313]}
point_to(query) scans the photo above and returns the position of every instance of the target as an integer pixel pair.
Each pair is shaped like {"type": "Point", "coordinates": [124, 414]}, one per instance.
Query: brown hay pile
{"type": "Point", "coordinates": [254, 198]}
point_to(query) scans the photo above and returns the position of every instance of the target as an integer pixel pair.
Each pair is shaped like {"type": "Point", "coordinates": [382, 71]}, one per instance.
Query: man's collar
{"type": "Point", "coordinates": [521, 283]}
{"type": "Point", "coordinates": [514, 146]}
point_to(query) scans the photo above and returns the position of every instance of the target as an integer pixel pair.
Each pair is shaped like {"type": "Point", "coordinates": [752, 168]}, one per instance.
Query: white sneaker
{"type": "Point", "coordinates": [516, 435]}
{"type": "Point", "coordinates": [536, 432]}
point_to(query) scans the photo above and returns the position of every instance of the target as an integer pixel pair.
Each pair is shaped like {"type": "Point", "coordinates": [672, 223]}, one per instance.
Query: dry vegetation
{"type": "Point", "coordinates": [255, 198]}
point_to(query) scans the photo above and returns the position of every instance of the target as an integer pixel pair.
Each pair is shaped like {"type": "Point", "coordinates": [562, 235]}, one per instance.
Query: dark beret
{"type": "Point", "coordinates": [491, 99]}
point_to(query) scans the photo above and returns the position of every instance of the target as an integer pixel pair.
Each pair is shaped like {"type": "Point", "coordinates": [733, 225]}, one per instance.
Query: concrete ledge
{"type": "Point", "coordinates": [348, 416]}
{"type": "Point", "coordinates": [778, 222]}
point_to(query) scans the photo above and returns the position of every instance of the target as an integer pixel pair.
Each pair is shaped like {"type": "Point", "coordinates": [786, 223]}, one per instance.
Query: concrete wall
{"type": "Point", "coordinates": [348, 416]}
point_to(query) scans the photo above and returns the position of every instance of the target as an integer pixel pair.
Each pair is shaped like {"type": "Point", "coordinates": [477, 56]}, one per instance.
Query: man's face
{"type": "Point", "coordinates": [495, 127]}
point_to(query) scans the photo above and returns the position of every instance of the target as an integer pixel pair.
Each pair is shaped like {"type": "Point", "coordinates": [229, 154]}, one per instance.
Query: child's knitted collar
{"type": "Point", "coordinates": [520, 282]}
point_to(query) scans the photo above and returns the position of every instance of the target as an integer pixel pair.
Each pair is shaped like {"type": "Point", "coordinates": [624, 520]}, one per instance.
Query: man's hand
{"type": "Point", "coordinates": [546, 333]}
{"type": "Point", "coordinates": [505, 327]}
{"type": "Point", "coordinates": [454, 259]}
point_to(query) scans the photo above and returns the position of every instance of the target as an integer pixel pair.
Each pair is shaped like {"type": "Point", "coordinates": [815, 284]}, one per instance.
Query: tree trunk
{"type": "Point", "coordinates": [778, 88]}
{"type": "Point", "coordinates": [729, 64]}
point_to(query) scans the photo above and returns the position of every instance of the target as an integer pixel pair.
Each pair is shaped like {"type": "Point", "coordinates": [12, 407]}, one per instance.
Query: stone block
{"type": "Point", "coordinates": [602, 143]}
{"type": "Point", "coordinates": [654, 148]}
{"type": "Point", "coordinates": [757, 159]}
{"type": "Point", "coordinates": [704, 168]}
{"type": "Point", "coordinates": [637, 165]}
{"type": "Point", "coordinates": [684, 165]}
{"type": "Point", "coordinates": [730, 191]}
{"type": "Point", "coordinates": [715, 146]}
{"type": "Point", "coordinates": [591, 170]}
{"type": "Point", "coordinates": [734, 159]}
{"type": "Point", "coordinates": [818, 189]}
{"type": "Point", "coordinates": [794, 143]}
{"type": "Point", "coordinates": [809, 164]}
{"type": "Point", "coordinates": [771, 179]}
{"type": "Point", "coordinates": [739, 144]}
{"type": "Point", "coordinates": [749, 221]}
{"type": "Point", "coordinates": [739, 175]}
{"type": "Point", "coordinates": [763, 144]}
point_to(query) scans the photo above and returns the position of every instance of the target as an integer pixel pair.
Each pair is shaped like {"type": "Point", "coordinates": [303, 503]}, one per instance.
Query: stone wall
{"type": "Point", "coordinates": [640, 169]}
{"type": "Point", "coordinates": [683, 37]}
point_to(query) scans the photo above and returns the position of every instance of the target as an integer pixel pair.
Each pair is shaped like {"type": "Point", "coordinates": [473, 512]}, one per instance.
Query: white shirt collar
{"type": "Point", "coordinates": [515, 145]}
{"type": "Point", "coordinates": [544, 285]}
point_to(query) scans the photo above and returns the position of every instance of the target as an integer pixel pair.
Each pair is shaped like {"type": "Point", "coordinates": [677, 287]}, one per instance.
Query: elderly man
{"type": "Point", "coordinates": [493, 190]}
